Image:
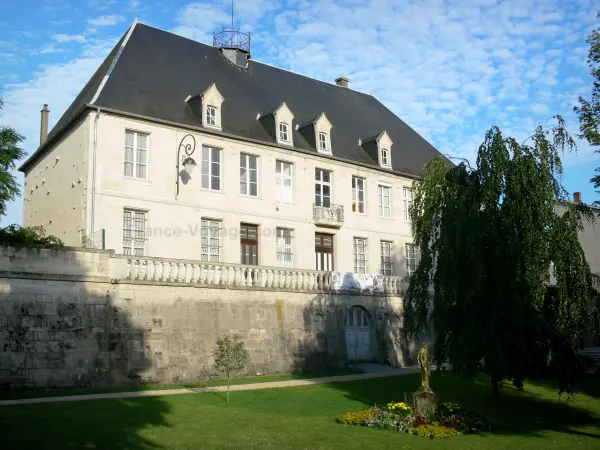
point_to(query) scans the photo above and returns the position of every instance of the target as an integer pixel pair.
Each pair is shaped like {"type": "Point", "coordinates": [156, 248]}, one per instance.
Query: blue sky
{"type": "Point", "coordinates": [449, 68]}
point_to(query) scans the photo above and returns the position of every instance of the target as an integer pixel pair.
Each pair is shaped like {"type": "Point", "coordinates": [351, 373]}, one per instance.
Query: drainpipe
{"type": "Point", "coordinates": [94, 147]}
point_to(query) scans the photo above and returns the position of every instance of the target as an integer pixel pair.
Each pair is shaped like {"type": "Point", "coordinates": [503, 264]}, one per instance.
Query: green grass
{"type": "Point", "coordinates": [303, 418]}
{"type": "Point", "coordinates": [13, 395]}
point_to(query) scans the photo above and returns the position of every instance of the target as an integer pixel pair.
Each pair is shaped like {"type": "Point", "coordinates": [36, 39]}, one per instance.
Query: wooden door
{"type": "Point", "coordinates": [249, 244]}
{"type": "Point", "coordinates": [324, 252]}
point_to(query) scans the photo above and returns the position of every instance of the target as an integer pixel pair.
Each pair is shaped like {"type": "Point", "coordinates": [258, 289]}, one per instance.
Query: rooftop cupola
{"type": "Point", "coordinates": [234, 44]}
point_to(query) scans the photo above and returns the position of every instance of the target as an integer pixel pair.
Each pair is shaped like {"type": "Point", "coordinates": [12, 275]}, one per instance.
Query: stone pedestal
{"type": "Point", "coordinates": [424, 402]}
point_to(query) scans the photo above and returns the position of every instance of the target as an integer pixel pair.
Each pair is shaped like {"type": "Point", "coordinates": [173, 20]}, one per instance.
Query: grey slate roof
{"type": "Point", "coordinates": [157, 70]}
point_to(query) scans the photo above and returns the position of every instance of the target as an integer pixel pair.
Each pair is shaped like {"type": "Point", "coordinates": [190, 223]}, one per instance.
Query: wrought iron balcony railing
{"type": "Point", "coordinates": [333, 215]}
{"type": "Point", "coordinates": [232, 39]}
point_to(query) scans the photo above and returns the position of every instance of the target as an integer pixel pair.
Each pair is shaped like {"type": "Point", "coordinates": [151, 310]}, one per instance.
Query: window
{"type": "Point", "coordinates": [358, 195]}
{"type": "Point", "coordinates": [210, 242]}
{"type": "Point", "coordinates": [284, 181]}
{"type": "Point", "coordinates": [360, 255]}
{"type": "Point", "coordinates": [248, 174]}
{"type": "Point", "coordinates": [323, 142]}
{"type": "Point", "coordinates": [386, 248]}
{"type": "Point", "coordinates": [385, 209]}
{"type": "Point", "coordinates": [211, 116]}
{"type": "Point", "coordinates": [323, 188]}
{"type": "Point", "coordinates": [284, 135]}
{"type": "Point", "coordinates": [411, 259]}
{"type": "Point", "coordinates": [134, 232]}
{"type": "Point", "coordinates": [136, 155]}
{"type": "Point", "coordinates": [249, 244]}
{"type": "Point", "coordinates": [385, 157]}
{"type": "Point", "coordinates": [211, 168]}
{"type": "Point", "coordinates": [407, 203]}
{"type": "Point", "coordinates": [285, 248]}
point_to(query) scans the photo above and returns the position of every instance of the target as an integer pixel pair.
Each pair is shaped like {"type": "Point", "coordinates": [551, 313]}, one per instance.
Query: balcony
{"type": "Point", "coordinates": [332, 216]}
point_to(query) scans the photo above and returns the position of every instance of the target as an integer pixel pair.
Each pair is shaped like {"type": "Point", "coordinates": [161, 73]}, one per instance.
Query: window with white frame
{"type": "Point", "coordinates": [285, 247]}
{"type": "Point", "coordinates": [134, 232]}
{"type": "Point", "coordinates": [385, 203]}
{"type": "Point", "coordinates": [411, 258]}
{"type": "Point", "coordinates": [136, 155]}
{"type": "Point", "coordinates": [358, 195]}
{"type": "Point", "coordinates": [284, 181]}
{"type": "Point", "coordinates": [385, 157]}
{"type": "Point", "coordinates": [248, 174]}
{"type": "Point", "coordinates": [407, 203]}
{"type": "Point", "coordinates": [323, 145]}
{"type": "Point", "coordinates": [322, 188]}
{"type": "Point", "coordinates": [210, 240]}
{"type": "Point", "coordinates": [386, 250]}
{"type": "Point", "coordinates": [284, 132]}
{"type": "Point", "coordinates": [211, 116]}
{"type": "Point", "coordinates": [360, 255]}
{"type": "Point", "coordinates": [211, 168]}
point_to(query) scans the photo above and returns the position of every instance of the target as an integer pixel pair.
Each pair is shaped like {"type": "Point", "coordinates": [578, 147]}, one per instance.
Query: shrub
{"type": "Point", "coordinates": [18, 236]}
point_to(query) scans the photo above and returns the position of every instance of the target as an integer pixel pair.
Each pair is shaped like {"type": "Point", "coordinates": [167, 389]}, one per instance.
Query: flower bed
{"type": "Point", "coordinates": [448, 421]}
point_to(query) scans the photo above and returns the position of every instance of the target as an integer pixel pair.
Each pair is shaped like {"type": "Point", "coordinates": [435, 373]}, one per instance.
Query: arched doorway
{"type": "Point", "coordinates": [358, 334]}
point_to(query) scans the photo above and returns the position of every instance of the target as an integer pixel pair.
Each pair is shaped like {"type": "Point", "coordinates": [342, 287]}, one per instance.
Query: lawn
{"type": "Point", "coordinates": [302, 418]}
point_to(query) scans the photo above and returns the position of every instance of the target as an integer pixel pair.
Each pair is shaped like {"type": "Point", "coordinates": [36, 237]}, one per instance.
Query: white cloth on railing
{"type": "Point", "coordinates": [358, 281]}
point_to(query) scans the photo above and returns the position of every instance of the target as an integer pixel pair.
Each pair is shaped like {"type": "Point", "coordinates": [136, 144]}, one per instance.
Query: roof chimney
{"type": "Point", "coordinates": [577, 198]}
{"type": "Point", "coordinates": [44, 125]}
{"type": "Point", "coordinates": [342, 82]}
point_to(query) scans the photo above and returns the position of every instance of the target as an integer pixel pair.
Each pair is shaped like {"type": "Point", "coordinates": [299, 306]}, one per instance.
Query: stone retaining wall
{"type": "Point", "coordinates": [65, 320]}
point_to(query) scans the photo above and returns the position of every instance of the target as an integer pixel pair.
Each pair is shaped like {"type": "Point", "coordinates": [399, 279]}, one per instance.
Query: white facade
{"type": "Point", "coordinates": [172, 228]}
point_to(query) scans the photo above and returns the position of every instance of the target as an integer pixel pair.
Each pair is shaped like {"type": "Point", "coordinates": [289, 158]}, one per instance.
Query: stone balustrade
{"type": "Point", "coordinates": [224, 274]}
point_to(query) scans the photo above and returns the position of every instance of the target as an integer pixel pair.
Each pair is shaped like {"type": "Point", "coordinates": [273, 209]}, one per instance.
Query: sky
{"type": "Point", "coordinates": [449, 68]}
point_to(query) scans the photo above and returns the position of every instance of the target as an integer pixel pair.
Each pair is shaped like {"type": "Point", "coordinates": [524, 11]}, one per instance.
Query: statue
{"type": "Point", "coordinates": [423, 358]}
{"type": "Point", "coordinates": [424, 399]}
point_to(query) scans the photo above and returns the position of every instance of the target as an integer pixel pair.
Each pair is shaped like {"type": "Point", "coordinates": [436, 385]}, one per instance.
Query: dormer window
{"type": "Point", "coordinates": [211, 116]}
{"type": "Point", "coordinates": [385, 157]}
{"type": "Point", "coordinates": [323, 142]}
{"type": "Point", "coordinates": [284, 132]}
{"type": "Point", "coordinates": [379, 147]}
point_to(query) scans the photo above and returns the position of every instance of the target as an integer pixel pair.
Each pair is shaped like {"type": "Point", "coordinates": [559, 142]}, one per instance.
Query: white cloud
{"type": "Point", "coordinates": [64, 38]}
{"type": "Point", "coordinates": [106, 21]}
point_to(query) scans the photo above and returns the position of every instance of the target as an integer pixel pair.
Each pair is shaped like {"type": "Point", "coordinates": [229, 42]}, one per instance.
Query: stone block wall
{"type": "Point", "coordinates": [66, 321]}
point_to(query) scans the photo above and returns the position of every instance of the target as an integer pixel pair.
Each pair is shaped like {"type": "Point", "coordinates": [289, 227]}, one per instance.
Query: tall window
{"type": "Point", "coordinates": [134, 232]}
{"type": "Point", "coordinates": [211, 116]}
{"type": "Point", "coordinates": [358, 195]}
{"type": "Point", "coordinates": [284, 135]}
{"type": "Point", "coordinates": [386, 248]}
{"type": "Point", "coordinates": [411, 259]}
{"type": "Point", "coordinates": [360, 255]}
{"type": "Point", "coordinates": [249, 244]}
{"type": "Point", "coordinates": [285, 247]}
{"type": "Point", "coordinates": [385, 157]}
{"type": "Point", "coordinates": [136, 155]}
{"type": "Point", "coordinates": [284, 181]}
{"type": "Point", "coordinates": [323, 188]}
{"type": "Point", "coordinates": [323, 142]}
{"type": "Point", "coordinates": [211, 168]}
{"type": "Point", "coordinates": [407, 203]}
{"type": "Point", "coordinates": [385, 208]}
{"type": "Point", "coordinates": [248, 174]}
{"type": "Point", "coordinates": [210, 242]}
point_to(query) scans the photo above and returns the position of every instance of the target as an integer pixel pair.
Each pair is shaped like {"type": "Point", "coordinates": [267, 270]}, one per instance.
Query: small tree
{"type": "Point", "coordinates": [230, 357]}
{"type": "Point", "coordinates": [10, 153]}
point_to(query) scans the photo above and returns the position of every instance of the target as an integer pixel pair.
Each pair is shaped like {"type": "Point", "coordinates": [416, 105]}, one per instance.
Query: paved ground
{"type": "Point", "coordinates": [376, 373]}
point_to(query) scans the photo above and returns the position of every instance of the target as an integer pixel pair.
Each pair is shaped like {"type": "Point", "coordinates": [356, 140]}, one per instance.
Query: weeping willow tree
{"type": "Point", "coordinates": [502, 280]}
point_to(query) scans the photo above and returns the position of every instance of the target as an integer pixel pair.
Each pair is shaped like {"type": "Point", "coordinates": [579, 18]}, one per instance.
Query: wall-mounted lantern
{"type": "Point", "coordinates": [189, 146]}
